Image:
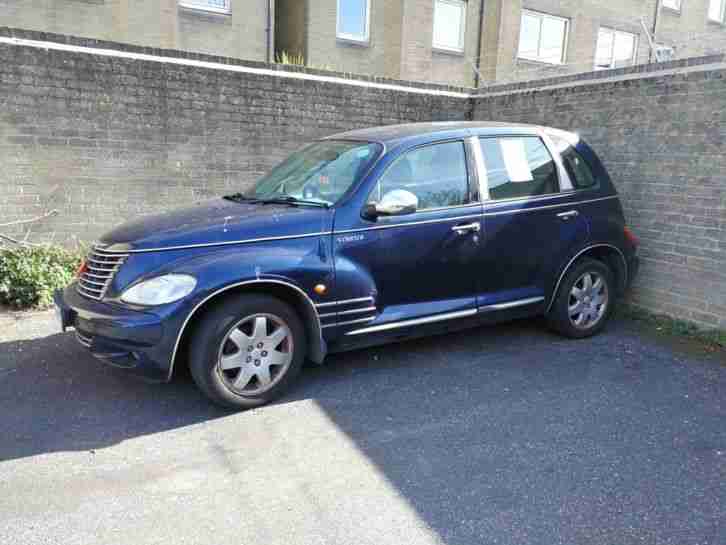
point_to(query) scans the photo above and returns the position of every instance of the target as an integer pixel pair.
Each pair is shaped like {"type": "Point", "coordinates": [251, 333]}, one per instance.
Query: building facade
{"type": "Point", "coordinates": [456, 42]}
{"type": "Point", "coordinates": [422, 40]}
{"type": "Point", "coordinates": [230, 28]}
{"type": "Point", "coordinates": [529, 39]}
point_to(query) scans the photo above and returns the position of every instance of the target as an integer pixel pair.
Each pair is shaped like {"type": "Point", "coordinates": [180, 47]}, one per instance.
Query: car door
{"type": "Point", "coordinates": [531, 220]}
{"type": "Point", "coordinates": [398, 271]}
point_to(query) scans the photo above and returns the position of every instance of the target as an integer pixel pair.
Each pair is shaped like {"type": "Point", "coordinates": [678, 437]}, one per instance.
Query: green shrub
{"type": "Point", "coordinates": [29, 275]}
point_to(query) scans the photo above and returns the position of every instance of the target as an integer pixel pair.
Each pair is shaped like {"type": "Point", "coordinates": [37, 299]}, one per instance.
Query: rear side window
{"type": "Point", "coordinates": [577, 168]}
{"type": "Point", "coordinates": [518, 167]}
{"type": "Point", "coordinates": [436, 174]}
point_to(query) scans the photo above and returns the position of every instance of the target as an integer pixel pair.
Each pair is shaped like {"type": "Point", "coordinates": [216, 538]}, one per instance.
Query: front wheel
{"type": "Point", "coordinates": [247, 351]}
{"type": "Point", "coordinates": [584, 300]}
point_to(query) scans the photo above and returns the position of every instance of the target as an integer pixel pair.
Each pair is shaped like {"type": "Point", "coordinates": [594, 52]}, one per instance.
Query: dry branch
{"type": "Point", "coordinates": [30, 220]}
{"type": "Point", "coordinates": [6, 238]}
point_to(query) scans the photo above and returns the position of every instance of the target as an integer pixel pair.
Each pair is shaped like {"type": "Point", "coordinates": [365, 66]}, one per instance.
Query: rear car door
{"type": "Point", "coordinates": [532, 220]}
{"type": "Point", "coordinates": [411, 266]}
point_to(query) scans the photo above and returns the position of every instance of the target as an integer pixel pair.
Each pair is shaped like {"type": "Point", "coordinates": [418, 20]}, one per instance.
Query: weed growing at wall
{"type": "Point", "coordinates": [29, 275]}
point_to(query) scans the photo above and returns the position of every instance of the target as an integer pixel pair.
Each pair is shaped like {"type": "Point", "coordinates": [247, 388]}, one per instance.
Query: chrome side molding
{"type": "Point", "coordinates": [414, 321]}
{"type": "Point", "coordinates": [345, 302]}
{"type": "Point", "coordinates": [447, 316]}
{"type": "Point", "coordinates": [511, 304]}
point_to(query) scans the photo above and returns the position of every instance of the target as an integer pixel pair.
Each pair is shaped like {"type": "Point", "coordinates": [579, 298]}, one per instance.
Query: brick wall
{"type": "Point", "coordinates": [661, 138]}
{"type": "Point", "coordinates": [105, 139]}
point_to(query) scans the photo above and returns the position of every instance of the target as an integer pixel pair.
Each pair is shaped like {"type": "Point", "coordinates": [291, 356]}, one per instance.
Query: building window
{"type": "Point", "coordinates": [675, 5]}
{"type": "Point", "coordinates": [542, 37]}
{"type": "Point", "coordinates": [716, 10]}
{"type": "Point", "coordinates": [449, 24]}
{"type": "Point", "coordinates": [218, 6]}
{"type": "Point", "coordinates": [354, 17]}
{"type": "Point", "coordinates": [615, 49]}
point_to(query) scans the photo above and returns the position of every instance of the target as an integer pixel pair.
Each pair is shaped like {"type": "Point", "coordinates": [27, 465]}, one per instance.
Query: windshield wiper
{"type": "Point", "coordinates": [240, 197]}
{"type": "Point", "coordinates": [289, 199]}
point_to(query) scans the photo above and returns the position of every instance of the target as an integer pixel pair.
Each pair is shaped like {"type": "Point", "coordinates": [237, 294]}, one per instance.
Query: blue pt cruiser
{"type": "Point", "coordinates": [362, 238]}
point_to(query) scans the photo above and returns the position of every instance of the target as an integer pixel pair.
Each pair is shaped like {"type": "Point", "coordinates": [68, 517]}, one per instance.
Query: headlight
{"type": "Point", "coordinates": [160, 290]}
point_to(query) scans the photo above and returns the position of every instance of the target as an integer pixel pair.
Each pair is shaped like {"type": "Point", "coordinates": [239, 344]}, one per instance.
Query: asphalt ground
{"type": "Point", "coordinates": [501, 435]}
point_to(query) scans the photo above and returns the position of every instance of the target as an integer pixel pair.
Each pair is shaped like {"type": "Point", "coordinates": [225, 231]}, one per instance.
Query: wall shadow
{"type": "Point", "coordinates": [55, 397]}
{"type": "Point", "coordinates": [503, 434]}
{"type": "Point", "coordinates": [510, 434]}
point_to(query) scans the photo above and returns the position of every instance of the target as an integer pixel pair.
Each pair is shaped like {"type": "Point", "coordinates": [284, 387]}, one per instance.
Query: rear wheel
{"type": "Point", "coordinates": [584, 300]}
{"type": "Point", "coordinates": [247, 351]}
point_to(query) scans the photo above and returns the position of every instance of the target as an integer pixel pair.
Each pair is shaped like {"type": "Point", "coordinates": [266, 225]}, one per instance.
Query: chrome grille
{"type": "Point", "coordinates": [101, 266]}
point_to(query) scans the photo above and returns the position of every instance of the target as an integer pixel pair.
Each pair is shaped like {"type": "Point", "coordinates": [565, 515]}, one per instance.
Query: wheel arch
{"type": "Point", "coordinates": [286, 291]}
{"type": "Point", "coordinates": [609, 254]}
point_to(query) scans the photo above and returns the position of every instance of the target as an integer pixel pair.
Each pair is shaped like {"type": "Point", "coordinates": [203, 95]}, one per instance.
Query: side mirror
{"type": "Point", "coordinates": [397, 202]}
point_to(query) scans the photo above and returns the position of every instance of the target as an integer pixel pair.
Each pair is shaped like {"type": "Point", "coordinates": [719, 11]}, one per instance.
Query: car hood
{"type": "Point", "coordinates": [218, 221]}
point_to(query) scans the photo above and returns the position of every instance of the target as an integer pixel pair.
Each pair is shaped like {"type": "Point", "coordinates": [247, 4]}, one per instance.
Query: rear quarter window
{"type": "Point", "coordinates": [578, 169]}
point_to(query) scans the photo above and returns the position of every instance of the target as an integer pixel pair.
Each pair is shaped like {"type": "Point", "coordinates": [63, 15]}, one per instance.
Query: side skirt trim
{"type": "Point", "coordinates": [415, 321]}
{"type": "Point", "coordinates": [511, 304]}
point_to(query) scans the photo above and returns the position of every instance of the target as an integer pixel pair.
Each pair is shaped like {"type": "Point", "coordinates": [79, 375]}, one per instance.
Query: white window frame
{"type": "Point", "coordinates": [615, 32]}
{"type": "Point", "coordinates": [353, 37]}
{"type": "Point", "coordinates": [675, 5]}
{"type": "Point", "coordinates": [463, 5]}
{"type": "Point", "coordinates": [196, 5]}
{"type": "Point", "coordinates": [543, 16]}
{"type": "Point", "coordinates": [722, 11]}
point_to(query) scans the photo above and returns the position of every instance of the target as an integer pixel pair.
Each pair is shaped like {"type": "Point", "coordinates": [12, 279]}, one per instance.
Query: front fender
{"type": "Point", "coordinates": [295, 265]}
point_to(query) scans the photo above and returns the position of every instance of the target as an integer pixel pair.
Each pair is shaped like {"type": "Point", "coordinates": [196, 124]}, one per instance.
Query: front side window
{"type": "Point", "coordinates": [321, 172]}
{"type": "Point", "coordinates": [449, 24]}
{"type": "Point", "coordinates": [435, 174]}
{"type": "Point", "coordinates": [615, 49]}
{"type": "Point", "coordinates": [354, 20]}
{"type": "Point", "coordinates": [672, 4]}
{"type": "Point", "coordinates": [716, 10]}
{"type": "Point", "coordinates": [220, 6]}
{"type": "Point", "coordinates": [542, 37]}
{"type": "Point", "coordinates": [518, 167]}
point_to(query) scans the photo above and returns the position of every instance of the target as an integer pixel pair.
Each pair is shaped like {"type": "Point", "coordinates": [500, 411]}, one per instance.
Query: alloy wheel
{"type": "Point", "coordinates": [255, 354]}
{"type": "Point", "coordinates": [588, 300]}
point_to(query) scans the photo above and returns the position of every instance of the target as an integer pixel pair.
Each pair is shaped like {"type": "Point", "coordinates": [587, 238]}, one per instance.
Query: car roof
{"type": "Point", "coordinates": [396, 134]}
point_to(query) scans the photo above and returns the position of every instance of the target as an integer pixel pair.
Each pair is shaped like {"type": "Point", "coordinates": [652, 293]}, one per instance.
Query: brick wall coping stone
{"type": "Point", "coordinates": [614, 74]}
{"type": "Point", "coordinates": [60, 42]}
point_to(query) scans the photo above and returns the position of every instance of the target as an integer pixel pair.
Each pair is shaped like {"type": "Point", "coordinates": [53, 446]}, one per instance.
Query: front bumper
{"type": "Point", "coordinates": [131, 339]}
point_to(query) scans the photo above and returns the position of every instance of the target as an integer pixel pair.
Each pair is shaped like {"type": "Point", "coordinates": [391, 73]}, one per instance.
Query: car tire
{"type": "Point", "coordinates": [584, 301]}
{"type": "Point", "coordinates": [247, 351]}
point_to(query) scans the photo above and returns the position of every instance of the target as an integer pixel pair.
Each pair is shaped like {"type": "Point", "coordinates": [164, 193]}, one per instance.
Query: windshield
{"type": "Point", "coordinates": [319, 173]}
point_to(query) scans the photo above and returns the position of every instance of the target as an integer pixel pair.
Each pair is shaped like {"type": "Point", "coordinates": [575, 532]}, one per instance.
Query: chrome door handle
{"type": "Point", "coordinates": [467, 227]}
{"type": "Point", "coordinates": [564, 216]}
